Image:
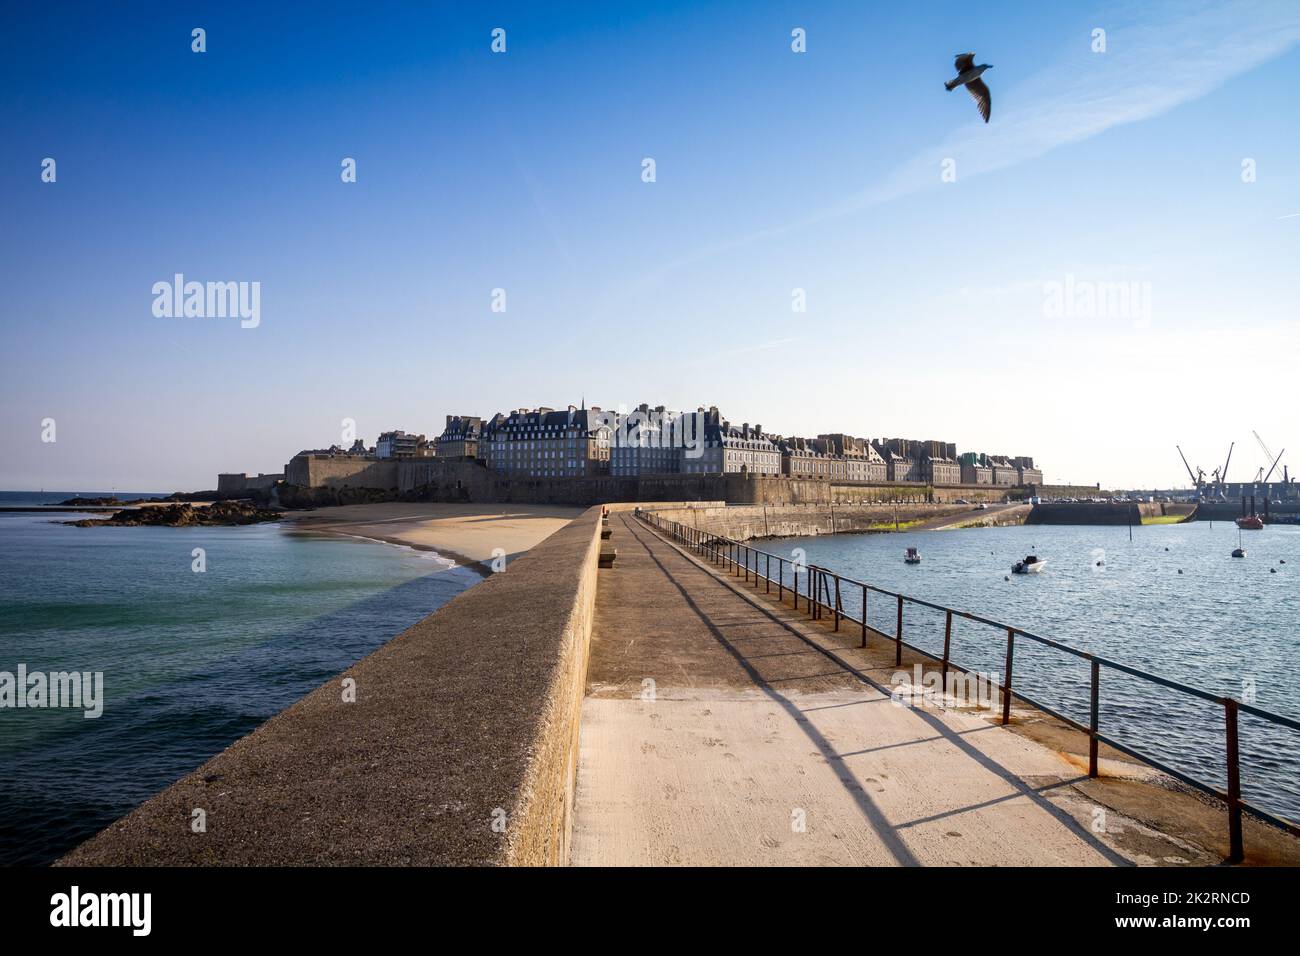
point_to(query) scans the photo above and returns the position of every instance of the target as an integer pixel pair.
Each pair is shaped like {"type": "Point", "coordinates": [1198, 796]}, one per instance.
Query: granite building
{"type": "Point", "coordinates": [731, 449]}
{"type": "Point", "coordinates": [861, 461]}
{"type": "Point", "coordinates": [398, 444]}
{"type": "Point", "coordinates": [545, 443]}
{"type": "Point", "coordinates": [654, 441]}
{"type": "Point", "coordinates": [975, 469]}
{"type": "Point", "coordinates": [802, 458]}
{"type": "Point", "coordinates": [461, 437]}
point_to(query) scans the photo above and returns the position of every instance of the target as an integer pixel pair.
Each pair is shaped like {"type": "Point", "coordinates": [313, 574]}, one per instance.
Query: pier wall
{"type": "Point", "coordinates": [1096, 512]}
{"type": "Point", "coordinates": [460, 747]}
{"type": "Point", "coordinates": [742, 522]}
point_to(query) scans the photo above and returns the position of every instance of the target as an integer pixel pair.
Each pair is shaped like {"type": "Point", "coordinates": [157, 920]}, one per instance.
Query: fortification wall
{"type": "Point", "coordinates": [234, 485]}
{"type": "Point", "coordinates": [432, 479]}
{"type": "Point", "coordinates": [323, 471]}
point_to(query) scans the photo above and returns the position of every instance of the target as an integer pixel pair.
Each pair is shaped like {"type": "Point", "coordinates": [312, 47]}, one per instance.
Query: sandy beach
{"type": "Point", "coordinates": [471, 534]}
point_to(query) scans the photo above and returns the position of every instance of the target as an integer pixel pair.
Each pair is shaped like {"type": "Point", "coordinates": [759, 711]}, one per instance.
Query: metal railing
{"type": "Point", "coordinates": [820, 593]}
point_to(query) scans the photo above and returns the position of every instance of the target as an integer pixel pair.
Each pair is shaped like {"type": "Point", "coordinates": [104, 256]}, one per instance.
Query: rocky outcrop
{"type": "Point", "coordinates": [184, 515]}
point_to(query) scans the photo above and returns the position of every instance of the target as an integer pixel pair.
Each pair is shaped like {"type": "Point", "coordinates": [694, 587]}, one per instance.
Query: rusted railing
{"type": "Point", "coordinates": [820, 594]}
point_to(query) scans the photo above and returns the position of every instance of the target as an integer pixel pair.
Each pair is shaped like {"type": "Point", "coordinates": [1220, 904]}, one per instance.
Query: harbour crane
{"type": "Point", "coordinates": [1265, 476]}
{"type": "Point", "coordinates": [1198, 477]}
{"type": "Point", "coordinates": [1221, 474]}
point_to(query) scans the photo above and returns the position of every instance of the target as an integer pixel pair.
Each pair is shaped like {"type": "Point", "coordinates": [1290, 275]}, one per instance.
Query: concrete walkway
{"type": "Point", "coordinates": [715, 731]}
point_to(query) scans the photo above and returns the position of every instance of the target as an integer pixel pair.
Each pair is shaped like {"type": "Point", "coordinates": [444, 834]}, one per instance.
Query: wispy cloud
{"type": "Point", "coordinates": [1176, 53]}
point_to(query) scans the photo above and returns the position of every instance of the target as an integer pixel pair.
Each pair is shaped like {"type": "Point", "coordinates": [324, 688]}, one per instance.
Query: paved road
{"type": "Point", "coordinates": [714, 733]}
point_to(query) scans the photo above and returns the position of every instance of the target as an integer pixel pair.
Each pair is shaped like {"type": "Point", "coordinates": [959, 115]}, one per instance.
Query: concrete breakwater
{"type": "Point", "coordinates": [454, 743]}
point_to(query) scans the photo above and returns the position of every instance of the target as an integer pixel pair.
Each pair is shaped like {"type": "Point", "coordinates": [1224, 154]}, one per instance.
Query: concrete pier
{"type": "Point", "coordinates": [720, 727]}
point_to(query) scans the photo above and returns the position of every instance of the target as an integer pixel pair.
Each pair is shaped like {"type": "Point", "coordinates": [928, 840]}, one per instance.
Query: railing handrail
{"type": "Point", "coordinates": [1020, 632]}
{"type": "Point", "coordinates": [704, 540]}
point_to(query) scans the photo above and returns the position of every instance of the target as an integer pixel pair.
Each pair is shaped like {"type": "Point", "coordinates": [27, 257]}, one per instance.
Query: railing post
{"type": "Point", "coordinates": [838, 604]}
{"type": "Point", "coordinates": [864, 615]}
{"type": "Point", "coordinates": [898, 635]}
{"type": "Point", "coordinates": [947, 647]}
{"type": "Point", "coordinates": [795, 588]}
{"type": "Point", "coordinates": [1093, 719]}
{"type": "Point", "coordinates": [767, 576]}
{"type": "Point", "coordinates": [1236, 852]}
{"type": "Point", "coordinates": [1006, 683]}
{"type": "Point", "coordinates": [780, 580]}
{"type": "Point", "coordinates": [812, 581]}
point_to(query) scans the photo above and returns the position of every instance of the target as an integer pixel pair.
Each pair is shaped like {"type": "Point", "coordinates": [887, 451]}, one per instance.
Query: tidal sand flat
{"type": "Point", "coordinates": [473, 534]}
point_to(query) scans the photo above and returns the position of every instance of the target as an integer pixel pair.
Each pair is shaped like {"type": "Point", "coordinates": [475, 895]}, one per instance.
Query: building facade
{"type": "Point", "coordinates": [653, 441]}
{"type": "Point", "coordinates": [545, 443]}
{"type": "Point", "coordinates": [861, 461]}
{"type": "Point", "coordinates": [398, 444]}
{"type": "Point", "coordinates": [804, 458]}
{"type": "Point", "coordinates": [460, 438]}
{"type": "Point", "coordinates": [730, 449]}
{"type": "Point", "coordinates": [900, 462]}
{"type": "Point", "coordinates": [1026, 473]}
{"type": "Point", "coordinates": [975, 469]}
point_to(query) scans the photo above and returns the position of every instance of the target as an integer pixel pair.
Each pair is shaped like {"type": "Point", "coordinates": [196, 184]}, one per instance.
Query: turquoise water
{"type": "Point", "coordinates": [27, 499]}
{"type": "Point", "coordinates": [191, 661]}
{"type": "Point", "coordinates": [1225, 625]}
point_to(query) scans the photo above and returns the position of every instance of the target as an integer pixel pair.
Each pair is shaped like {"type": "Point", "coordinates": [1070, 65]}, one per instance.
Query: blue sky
{"type": "Point", "coordinates": [926, 311]}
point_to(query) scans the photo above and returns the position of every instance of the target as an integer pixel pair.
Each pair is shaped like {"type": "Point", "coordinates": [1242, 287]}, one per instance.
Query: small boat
{"type": "Point", "coordinates": [1032, 564]}
{"type": "Point", "coordinates": [912, 557]}
{"type": "Point", "coordinates": [1250, 523]}
{"type": "Point", "coordinates": [1238, 552]}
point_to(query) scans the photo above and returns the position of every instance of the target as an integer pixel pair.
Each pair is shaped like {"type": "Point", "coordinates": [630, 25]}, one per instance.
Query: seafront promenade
{"type": "Point", "coordinates": [656, 710]}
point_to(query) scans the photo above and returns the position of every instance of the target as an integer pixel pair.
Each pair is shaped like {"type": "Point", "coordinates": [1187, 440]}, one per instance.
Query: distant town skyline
{"type": "Point", "coordinates": [830, 243]}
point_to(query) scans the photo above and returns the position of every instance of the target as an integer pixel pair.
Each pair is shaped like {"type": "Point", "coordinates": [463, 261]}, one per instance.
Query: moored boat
{"type": "Point", "coordinates": [1250, 523]}
{"type": "Point", "coordinates": [912, 557]}
{"type": "Point", "coordinates": [1032, 564]}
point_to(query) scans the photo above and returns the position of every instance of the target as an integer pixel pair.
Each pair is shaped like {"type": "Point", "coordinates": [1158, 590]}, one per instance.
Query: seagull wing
{"type": "Point", "coordinates": [964, 62]}
{"type": "Point", "coordinates": [983, 99]}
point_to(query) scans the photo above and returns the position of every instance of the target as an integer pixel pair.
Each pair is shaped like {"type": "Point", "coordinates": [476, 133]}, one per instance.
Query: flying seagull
{"type": "Point", "coordinates": [968, 75]}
